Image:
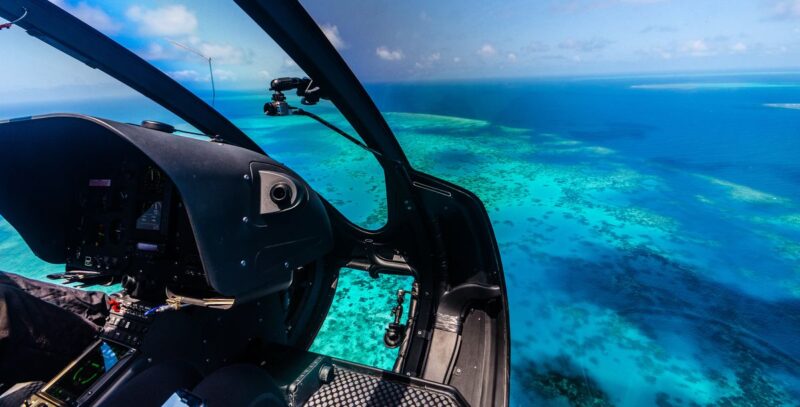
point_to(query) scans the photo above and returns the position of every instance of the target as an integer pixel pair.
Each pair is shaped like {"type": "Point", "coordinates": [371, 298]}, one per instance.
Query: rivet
{"type": "Point", "coordinates": [245, 219]}
{"type": "Point", "coordinates": [286, 264]}
{"type": "Point", "coordinates": [246, 177]}
{"type": "Point", "coordinates": [243, 263]}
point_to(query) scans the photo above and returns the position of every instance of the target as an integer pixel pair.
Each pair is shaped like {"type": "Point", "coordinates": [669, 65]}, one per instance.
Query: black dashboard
{"type": "Point", "coordinates": [157, 212]}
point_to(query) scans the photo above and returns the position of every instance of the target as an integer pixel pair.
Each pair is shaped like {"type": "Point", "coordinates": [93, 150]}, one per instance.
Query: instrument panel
{"type": "Point", "coordinates": [129, 222]}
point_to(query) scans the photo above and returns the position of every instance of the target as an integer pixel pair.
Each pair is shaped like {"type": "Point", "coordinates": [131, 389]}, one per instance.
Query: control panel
{"type": "Point", "coordinates": [127, 322]}
{"type": "Point", "coordinates": [129, 225]}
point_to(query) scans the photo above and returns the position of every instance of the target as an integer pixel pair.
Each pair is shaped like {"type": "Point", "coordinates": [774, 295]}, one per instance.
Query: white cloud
{"type": "Point", "coordinates": [265, 74]}
{"type": "Point", "coordinates": [225, 53]}
{"type": "Point", "coordinates": [739, 47]}
{"type": "Point", "coordinates": [487, 50]}
{"type": "Point", "coordinates": [157, 52]}
{"type": "Point", "coordinates": [187, 75]}
{"type": "Point", "coordinates": [166, 21]}
{"type": "Point", "coordinates": [428, 61]}
{"type": "Point", "coordinates": [512, 57]}
{"type": "Point", "coordinates": [591, 45]}
{"type": "Point", "coordinates": [191, 75]}
{"type": "Point", "coordinates": [696, 48]}
{"type": "Point", "coordinates": [456, 59]}
{"type": "Point", "coordinates": [332, 32]}
{"type": "Point", "coordinates": [224, 75]}
{"type": "Point", "coordinates": [705, 47]}
{"type": "Point", "coordinates": [536, 47]}
{"type": "Point", "coordinates": [94, 16]}
{"type": "Point", "coordinates": [787, 9]}
{"type": "Point", "coordinates": [389, 55]}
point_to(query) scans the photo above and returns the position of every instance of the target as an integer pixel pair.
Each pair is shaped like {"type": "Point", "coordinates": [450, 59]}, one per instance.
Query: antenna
{"type": "Point", "coordinates": [210, 69]}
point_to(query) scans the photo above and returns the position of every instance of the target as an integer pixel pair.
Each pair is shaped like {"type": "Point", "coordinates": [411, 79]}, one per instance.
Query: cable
{"type": "Point", "coordinates": [352, 139]}
{"type": "Point", "coordinates": [9, 24]}
{"type": "Point", "coordinates": [192, 132]}
{"type": "Point", "coordinates": [210, 69]}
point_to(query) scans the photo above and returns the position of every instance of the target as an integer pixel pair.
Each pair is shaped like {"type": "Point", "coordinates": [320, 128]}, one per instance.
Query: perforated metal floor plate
{"type": "Point", "coordinates": [349, 388]}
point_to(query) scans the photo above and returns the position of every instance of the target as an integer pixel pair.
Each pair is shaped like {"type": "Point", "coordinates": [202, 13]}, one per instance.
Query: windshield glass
{"type": "Point", "coordinates": [638, 160]}
{"type": "Point", "coordinates": [220, 54]}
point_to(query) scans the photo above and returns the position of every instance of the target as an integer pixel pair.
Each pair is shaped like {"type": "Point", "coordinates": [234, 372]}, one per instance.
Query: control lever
{"type": "Point", "coordinates": [396, 331]}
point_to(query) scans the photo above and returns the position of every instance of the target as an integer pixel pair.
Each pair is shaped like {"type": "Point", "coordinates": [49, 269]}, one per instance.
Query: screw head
{"type": "Point", "coordinates": [245, 219]}
{"type": "Point", "coordinates": [246, 177]}
{"type": "Point", "coordinates": [243, 263]}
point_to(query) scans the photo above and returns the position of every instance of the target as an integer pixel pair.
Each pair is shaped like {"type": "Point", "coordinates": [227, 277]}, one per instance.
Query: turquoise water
{"type": "Point", "coordinates": [649, 228]}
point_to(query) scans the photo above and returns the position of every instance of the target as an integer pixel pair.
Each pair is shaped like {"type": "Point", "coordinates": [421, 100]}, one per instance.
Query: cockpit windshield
{"type": "Point", "coordinates": [221, 55]}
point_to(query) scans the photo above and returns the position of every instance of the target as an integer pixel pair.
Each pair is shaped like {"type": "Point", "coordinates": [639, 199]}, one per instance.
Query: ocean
{"type": "Point", "coordinates": [649, 227]}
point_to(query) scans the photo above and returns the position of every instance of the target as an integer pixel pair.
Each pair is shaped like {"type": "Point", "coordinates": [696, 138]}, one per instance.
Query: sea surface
{"type": "Point", "coordinates": [649, 227]}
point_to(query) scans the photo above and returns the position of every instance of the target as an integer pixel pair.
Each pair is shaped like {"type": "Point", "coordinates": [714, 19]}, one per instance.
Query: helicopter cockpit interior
{"type": "Point", "coordinates": [121, 203]}
{"type": "Point", "coordinates": [228, 260]}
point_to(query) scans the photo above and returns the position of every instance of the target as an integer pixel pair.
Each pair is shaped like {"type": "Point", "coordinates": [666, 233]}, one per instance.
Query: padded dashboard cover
{"type": "Point", "coordinates": [42, 155]}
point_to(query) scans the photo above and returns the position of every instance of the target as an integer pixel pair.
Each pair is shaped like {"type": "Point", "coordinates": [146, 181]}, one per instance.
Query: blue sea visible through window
{"type": "Point", "coordinates": [648, 227]}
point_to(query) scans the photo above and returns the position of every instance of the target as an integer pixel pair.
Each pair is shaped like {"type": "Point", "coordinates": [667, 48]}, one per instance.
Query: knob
{"type": "Point", "coordinates": [128, 283]}
{"type": "Point", "coordinates": [281, 194]}
{"type": "Point", "coordinates": [326, 374]}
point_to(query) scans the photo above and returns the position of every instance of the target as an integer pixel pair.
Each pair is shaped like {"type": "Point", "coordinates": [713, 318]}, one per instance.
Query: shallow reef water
{"type": "Point", "coordinates": [633, 280]}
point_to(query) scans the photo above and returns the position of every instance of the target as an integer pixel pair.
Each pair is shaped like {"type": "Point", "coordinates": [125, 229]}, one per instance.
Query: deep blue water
{"type": "Point", "coordinates": [725, 130]}
{"type": "Point", "coordinates": [649, 227]}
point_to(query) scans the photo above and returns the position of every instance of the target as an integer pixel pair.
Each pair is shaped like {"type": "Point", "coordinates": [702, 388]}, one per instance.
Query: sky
{"type": "Point", "coordinates": [425, 40]}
